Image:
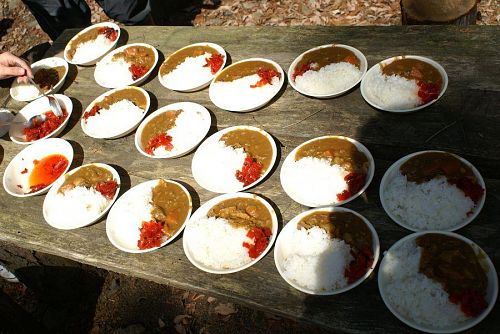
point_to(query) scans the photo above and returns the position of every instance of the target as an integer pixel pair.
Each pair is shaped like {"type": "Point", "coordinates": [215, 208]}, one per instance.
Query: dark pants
{"type": "Point", "coordinates": [56, 15]}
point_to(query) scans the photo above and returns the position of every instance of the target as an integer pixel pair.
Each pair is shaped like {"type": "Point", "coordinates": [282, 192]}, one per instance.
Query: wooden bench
{"type": "Point", "coordinates": [465, 121]}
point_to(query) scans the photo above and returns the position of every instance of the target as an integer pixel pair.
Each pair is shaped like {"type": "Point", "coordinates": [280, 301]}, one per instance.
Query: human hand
{"type": "Point", "coordinates": [12, 66]}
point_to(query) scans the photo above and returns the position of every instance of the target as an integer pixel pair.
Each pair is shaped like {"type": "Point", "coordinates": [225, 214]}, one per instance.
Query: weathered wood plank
{"type": "Point", "coordinates": [469, 110]}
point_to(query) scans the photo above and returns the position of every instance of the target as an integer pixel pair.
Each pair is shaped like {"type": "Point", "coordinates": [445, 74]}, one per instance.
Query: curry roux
{"type": "Point", "coordinates": [243, 212]}
{"type": "Point", "coordinates": [328, 55]}
{"type": "Point", "coordinates": [413, 69]}
{"type": "Point", "coordinates": [170, 205]}
{"type": "Point", "coordinates": [87, 176]}
{"type": "Point", "coordinates": [178, 57]}
{"type": "Point", "coordinates": [138, 55]}
{"type": "Point", "coordinates": [244, 69]}
{"type": "Point", "coordinates": [451, 262]}
{"type": "Point", "coordinates": [340, 225]}
{"type": "Point", "coordinates": [46, 78]}
{"type": "Point", "coordinates": [429, 165]}
{"type": "Point", "coordinates": [338, 151]}
{"type": "Point", "coordinates": [254, 143]}
{"type": "Point", "coordinates": [131, 94]}
{"type": "Point", "coordinates": [158, 125]}
{"type": "Point", "coordinates": [82, 38]}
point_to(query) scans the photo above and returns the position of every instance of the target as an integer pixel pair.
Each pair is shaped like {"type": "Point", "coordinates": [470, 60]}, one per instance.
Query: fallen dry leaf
{"type": "Point", "coordinates": [183, 319]}
{"type": "Point", "coordinates": [210, 300]}
{"type": "Point", "coordinates": [161, 323]}
{"type": "Point", "coordinates": [225, 309]}
{"type": "Point", "coordinates": [180, 329]}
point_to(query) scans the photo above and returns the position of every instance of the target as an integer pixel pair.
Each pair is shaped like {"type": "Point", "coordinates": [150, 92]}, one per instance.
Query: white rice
{"type": "Point", "coordinates": [391, 92]}
{"type": "Point", "coordinates": [314, 181]}
{"type": "Point", "coordinates": [118, 118]}
{"type": "Point", "coordinates": [217, 244]}
{"type": "Point", "coordinates": [92, 49]}
{"type": "Point", "coordinates": [24, 91]}
{"type": "Point", "coordinates": [75, 207]}
{"type": "Point", "coordinates": [132, 212]}
{"type": "Point", "coordinates": [330, 79]}
{"type": "Point", "coordinates": [414, 295]}
{"type": "Point", "coordinates": [237, 94]}
{"type": "Point", "coordinates": [315, 261]}
{"type": "Point", "coordinates": [219, 166]}
{"type": "Point", "coordinates": [189, 74]}
{"type": "Point", "coordinates": [432, 205]}
{"type": "Point", "coordinates": [114, 73]}
{"type": "Point", "coordinates": [190, 128]}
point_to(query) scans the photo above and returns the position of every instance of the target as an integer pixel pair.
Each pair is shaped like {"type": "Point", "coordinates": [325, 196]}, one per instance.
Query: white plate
{"type": "Point", "coordinates": [197, 85]}
{"type": "Point", "coordinates": [196, 137]}
{"type": "Point", "coordinates": [491, 291]}
{"type": "Point", "coordinates": [393, 171]}
{"type": "Point", "coordinates": [289, 187]}
{"type": "Point", "coordinates": [259, 101]}
{"type": "Point", "coordinates": [24, 159]}
{"type": "Point", "coordinates": [114, 131]}
{"type": "Point", "coordinates": [70, 223]}
{"type": "Point", "coordinates": [285, 234]}
{"type": "Point", "coordinates": [371, 72]}
{"type": "Point", "coordinates": [202, 175]}
{"type": "Point", "coordinates": [22, 91]}
{"type": "Point", "coordinates": [98, 54]}
{"type": "Point", "coordinates": [124, 234]}
{"type": "Point", "coordinates": [203, 211]}
{"type": "Point", "coordinates": [38, 107]}
{"type": "Point", "coordinates": [107, 80]}
{"type": "Point", "coordinates": [363, 67]}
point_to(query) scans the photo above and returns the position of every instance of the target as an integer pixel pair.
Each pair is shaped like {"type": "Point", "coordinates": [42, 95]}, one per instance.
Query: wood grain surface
{"type": "Point", "coordinates": [465, 121]}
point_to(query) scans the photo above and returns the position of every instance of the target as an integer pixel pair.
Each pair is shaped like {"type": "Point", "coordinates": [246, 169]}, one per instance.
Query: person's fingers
{"type": "Point", "coordinates": [10, 60]}
{"type": "Point", "coordinates": [11, 71]}
{"type": "Point", "coordinates": [22, 79]}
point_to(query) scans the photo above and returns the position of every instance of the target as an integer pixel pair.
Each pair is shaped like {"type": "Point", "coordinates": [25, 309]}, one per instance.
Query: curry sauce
{"type": "Point", "coordinates": [80, 39]}
{"type": "Point", "coordinates": [244, 69]}
{"type": "Point", "coordinates": [137, 55]}
{"type": "Point", "coordinates": [337, 151]}
{"type": "Point", "coordinates": [171, 206]}
{"type": "Point", "coordinates": [243, 212]}
{"type": "Point", "coordinates": [158, 125]}
{"type": "Point", "coordinates": [254, 143]}
{"type": "Point", "coordinates": [328, 55]}
{"type": "Point", "coordinates": [131, 94]}
{"type": "Point", "coordinates": [178, 57]}
{"type": "Point", "coordinates": [87, 176]}
{"type": "Point", "coordinates": [413, 69]}
{"type": "Point", "coordinates": [47, 78]}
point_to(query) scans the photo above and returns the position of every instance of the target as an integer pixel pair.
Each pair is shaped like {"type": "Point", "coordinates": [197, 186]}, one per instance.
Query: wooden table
{"type": "Point", "coordinates": [465, 121]}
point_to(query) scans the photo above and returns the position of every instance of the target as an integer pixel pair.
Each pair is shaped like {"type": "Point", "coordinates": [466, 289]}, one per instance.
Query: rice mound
{"type": "Point", "coordinates": [314, 181]}
{"type": "Point", "coordinates": [220, 163]}
{"type": "Point", "coordinates": [92, 49]}
{"type": "Point", "coordinates": [238, 94]}
{"type": "Point", "coordinates": [114, 73]}
{"type": "Point", "coordinates": [189, 74]}
{"type": "Point", "coordinates": [432, 205]}
{"type": "Point", "coordinates": [330, 79]}
{"type": "Point", "coordinates": [414, 295]}
{"type": "Point", "coordinates": [76, 206]}
{"type": "Point", "coordinates": [120, 117]}
{"type": "Point", "coordinates": [391, 92]}
{"type": "Point", "coordinates": [315, 261]}
{"type": "Point", "coordinates": [217, 244]}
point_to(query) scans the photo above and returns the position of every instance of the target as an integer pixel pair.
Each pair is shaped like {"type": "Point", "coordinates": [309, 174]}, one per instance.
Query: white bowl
{"type": "Point", "coordinates": [101, 76]}
{"type": "Point", "coordinates": [125, 237]}
{"type": "Point", "coordinates": [371, 71]}
{"type": "Point", "coordinates": [288, 185]}
{"type": "Point", "coordinates": [13, 177]}
{"type": "Point", "coordinates": [285, 234]}
{"type": "Point", "coordinates": [198, 165]}
{"type": "Point", "coordinates": [491, 291]}
{"type": "Point", "coordinates": [100, 54]}
{"type": "Point", "coordinates": [223, 103]}
{"type": "Point", "coordinates": [195, 87]}
{"type": "Point", "coordinates": [357, 53]}
{"type": "Point", "coordinates": [114, 131]}
{"type": "Point", "coordinates": [191, 107]}
{"type": "Point", "coordinates": [70, 224]}
{"type": "Point", "coordinates": [203, 211]}
{"type": "Point", "coordinates": [6, 116]}
{"type": "Point", "coordinates": [393, 171]}
{"type": "Point", "coordinates": [21, 91]}
{"type": "Point", "coordinates": [38, 107]}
